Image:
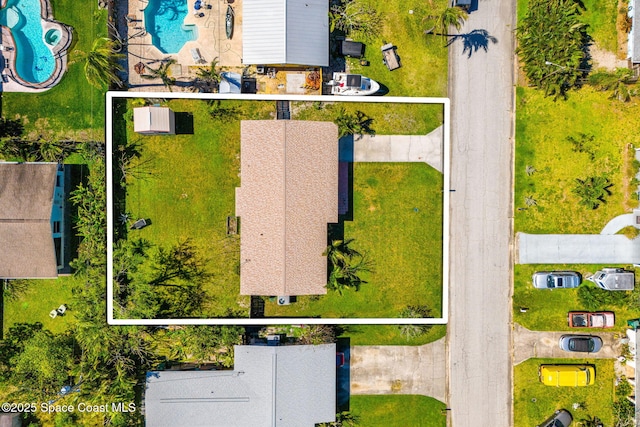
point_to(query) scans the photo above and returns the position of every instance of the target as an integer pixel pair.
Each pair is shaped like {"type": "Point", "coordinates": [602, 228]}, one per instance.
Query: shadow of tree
{"type": "Point", "coordinates": [474, 40]}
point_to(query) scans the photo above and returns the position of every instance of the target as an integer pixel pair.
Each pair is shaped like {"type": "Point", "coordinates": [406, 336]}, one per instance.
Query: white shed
{"type": "Point", "coordinates": [154, 120]}
{"type": "Point", "coordinates": [285, 32]}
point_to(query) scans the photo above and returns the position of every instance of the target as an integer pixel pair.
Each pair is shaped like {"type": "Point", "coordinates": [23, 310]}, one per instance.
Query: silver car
{"type": "Point", "coordinates": [556, 279]}
{"type": "Point", "coordinates": [561, 418]}
{"type": "Point", "coordinates": [580, 343]}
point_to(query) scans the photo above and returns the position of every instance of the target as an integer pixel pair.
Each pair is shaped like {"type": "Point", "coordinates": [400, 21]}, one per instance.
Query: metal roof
{"type": "Point", "coordinates": [283, 386]}
{"type": "Point", "coordinates": [285, 32]}
{"type": "Point", "coordinates": [153, 120]}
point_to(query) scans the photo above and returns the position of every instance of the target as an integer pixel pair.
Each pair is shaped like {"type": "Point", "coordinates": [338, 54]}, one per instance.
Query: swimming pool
{"type": "Point", "coordinates": [164, 20]}
{"type": "Point", "coordinates": [34, 60]}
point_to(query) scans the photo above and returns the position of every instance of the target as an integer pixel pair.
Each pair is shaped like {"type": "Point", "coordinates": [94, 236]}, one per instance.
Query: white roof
{"type": "Point", "coordinates": [285, 32]}
{"type": "Point", "coordinates": [153, 120]}
{"type": "Point", "coordinates": [285, 386]}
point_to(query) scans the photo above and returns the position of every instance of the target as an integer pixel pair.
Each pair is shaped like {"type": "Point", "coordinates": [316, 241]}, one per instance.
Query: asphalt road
{"type": "Point", "coordinates": [481, 88]}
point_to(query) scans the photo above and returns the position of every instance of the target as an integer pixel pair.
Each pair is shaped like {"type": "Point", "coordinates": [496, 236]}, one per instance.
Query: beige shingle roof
{"type": "Point", "coordinates": [26, 200]}
{"type": "Point", "coordinates": [289, 193]}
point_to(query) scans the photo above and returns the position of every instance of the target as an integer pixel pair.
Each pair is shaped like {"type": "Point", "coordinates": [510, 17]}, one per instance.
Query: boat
{"type": "Point", "coordinates": [352, 84]}
{"type": "Point", "coordinates": [229, 22]}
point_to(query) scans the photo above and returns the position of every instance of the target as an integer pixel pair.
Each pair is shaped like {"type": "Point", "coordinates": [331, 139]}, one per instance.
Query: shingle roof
{"type": "Point", "coordinates": [286, 386]}
{"type": "Point", "coordinates": [26, 200]}
{"type": "Point", "coordinates": [289, 193]}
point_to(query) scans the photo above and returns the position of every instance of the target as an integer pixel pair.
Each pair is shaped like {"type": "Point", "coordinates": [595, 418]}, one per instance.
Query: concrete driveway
{"type": "Point", "coordinates": [577, 249]}
{"type": "Point", "coordinates": [481, 88]}
{"type": "Point", "coordinates": [528, 344]}
{"type": "Point", "coordinates": [395, 369]}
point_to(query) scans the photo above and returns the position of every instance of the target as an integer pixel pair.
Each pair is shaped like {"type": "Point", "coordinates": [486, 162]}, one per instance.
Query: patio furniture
{"type": "Point", "coordinates": [141, 223]}
{"type": "Point", "coordinates": [62, 309]}
{"type": "Point", "coordinates": [390, 57]}
{"type": "Point", "coordinates": [195, 54]}
{"type": "Point", "coordinates": [53, 314]}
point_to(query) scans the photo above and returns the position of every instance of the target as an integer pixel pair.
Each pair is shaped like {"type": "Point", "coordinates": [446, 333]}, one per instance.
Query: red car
{"type": "Point", "coordinates": [596, 319]}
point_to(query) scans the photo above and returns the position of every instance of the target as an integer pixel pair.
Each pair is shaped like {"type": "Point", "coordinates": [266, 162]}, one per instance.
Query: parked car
{"type": "Point", "coordinates": [561, 418]}
{"type": "Point", "coordinates": [580, 343]}
{"type": "Point", "coordinates": [596, 319]}
{"type": "Point", "coordinates": [567, 375]}
{"type": "Point", "coordinates": [556, 279]}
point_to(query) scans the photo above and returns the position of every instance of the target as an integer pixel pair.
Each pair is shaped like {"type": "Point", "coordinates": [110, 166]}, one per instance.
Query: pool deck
{"type": "Point", "coordinates": [212, 42]}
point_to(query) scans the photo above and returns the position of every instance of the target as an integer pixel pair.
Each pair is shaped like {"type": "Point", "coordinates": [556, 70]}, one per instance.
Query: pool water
{"type": "Point", "coordinates": [164, 20]}
{"type": "Point", "coordinates": [34, 60]}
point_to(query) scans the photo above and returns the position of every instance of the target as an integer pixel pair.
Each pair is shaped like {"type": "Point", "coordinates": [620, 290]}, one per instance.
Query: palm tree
{"type": "Point", "coordinates": [339, 253]}
{"type": "Point", "coordinates": [357, 123]}
{"type": "Point", "coordinates": [592, 190]}
{"type": "Point", "coordinates": [343, 419]}
{"type": "Point", "coordinates": [620, 83]}
{"type": "Point", "coordinates": [162, 73]}
{"type": "Point", "coordinates": [450, 17]}
{"type": "Point", "coordinates": [101, 66]}
{"type": "Point", "coordinates": [207, 78]}
{"type": "Point", "coordinates": [591, 421]}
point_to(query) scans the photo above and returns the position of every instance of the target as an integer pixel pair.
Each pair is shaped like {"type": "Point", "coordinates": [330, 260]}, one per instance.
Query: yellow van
{"type": "Point", "coordinates": [567, 375]}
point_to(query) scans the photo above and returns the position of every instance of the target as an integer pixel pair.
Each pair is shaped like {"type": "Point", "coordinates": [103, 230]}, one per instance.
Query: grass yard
{"type": "Point", "coordinates": [73, 109]}
{"type": "Point", "coordinates": [534, 402]}
{"type": "Point", "coordinates": [543, 127]}
{"type": "Point", "coordinates": [38, 299]}
{"type": "Point", "coordinates": [187, 189]}
{"type": "Point", "coordinates": [398, 410]}
{"type": "Point", "coordinates": [423, 57]}
{"type": "Point", "coordinates": [397, 222]}
{"type": "Point", "coordinates": [386, 118]}
{"type": "Point", "coordinates": [388, 335]}
{"type": "Point", "coordinates": [548, 308]}
{"type": "Point", "coordinates": [601, 17]}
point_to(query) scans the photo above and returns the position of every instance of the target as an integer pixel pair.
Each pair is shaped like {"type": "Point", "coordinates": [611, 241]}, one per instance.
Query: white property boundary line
{"type": "Point", "coordinates": [281, 321]}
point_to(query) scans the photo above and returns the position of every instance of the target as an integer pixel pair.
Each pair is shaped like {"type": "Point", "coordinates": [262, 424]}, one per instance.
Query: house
{"type": "Point", "coordinates": [281, 32]}
{"type": "Point", "coordinates": [32, 222]}
{"type": "Point", "coordinates": [633, 42]}
{"type": "Point", "coordinates": [10, 420]}
{"type": "Point", "coordinates": [270, 386]}
{"type": "Point", "coordinates": [154, 120]}
{"type": "Point", "coordinates": [288, 195]}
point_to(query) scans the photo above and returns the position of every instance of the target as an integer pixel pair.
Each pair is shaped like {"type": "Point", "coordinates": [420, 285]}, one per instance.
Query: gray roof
{"type": "Point", "coordinates": [10, 420]}
{"type": "Point", "coordinates": [26, 201]}
{"type": "Point", "coordinates": [285, 32]}
{"type": "Point", "coordinates": [635, 33]}
{"type": "Point", "coordinates": [283, 386]}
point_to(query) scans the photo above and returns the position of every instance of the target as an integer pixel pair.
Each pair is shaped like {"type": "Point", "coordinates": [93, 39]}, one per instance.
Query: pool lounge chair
{"type": "Point", "coordinates": [195, 54]}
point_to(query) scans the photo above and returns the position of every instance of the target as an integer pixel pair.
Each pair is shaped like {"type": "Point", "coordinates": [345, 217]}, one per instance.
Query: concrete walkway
{"type": "Point", "coordinates": [399, 370]}
{"type": "Point", "coordinates": [618, 223]}
{"type": "Point", "coordinates": [528, 344]}
{"type": "Point", "coordinates": [577, 249]}
{"type": "Point", "coordinates": [394, 148]}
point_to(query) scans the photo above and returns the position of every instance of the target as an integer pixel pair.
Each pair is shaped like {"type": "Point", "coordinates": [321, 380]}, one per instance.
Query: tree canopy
{"type": "Point", "coordinates": [553, 45]}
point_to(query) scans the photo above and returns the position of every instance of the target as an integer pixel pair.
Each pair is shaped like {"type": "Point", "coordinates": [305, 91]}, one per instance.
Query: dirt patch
{"type": "Point", "coordinates": [623, 26]}
{"type": "Point", "coordinates": [604, 59]}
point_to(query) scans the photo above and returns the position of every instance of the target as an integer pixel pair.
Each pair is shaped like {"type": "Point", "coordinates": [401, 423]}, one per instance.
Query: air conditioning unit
{"type": "Point", "coordinates": [285, 300]}
{"type": "Point", "coordinates": [260, 69]}
{"type": "Point", "coordinates": [273, 340]}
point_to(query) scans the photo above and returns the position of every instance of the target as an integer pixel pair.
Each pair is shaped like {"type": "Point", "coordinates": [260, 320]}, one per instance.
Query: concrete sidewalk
{"type": "Point", "coordinates": [528, 344]}
{"type": "Point", "coordinates": [394, 148]}
{"type": "Point", "coordinates": [399, 370]}
{"type": "Point", "coordinates": [577, 249]}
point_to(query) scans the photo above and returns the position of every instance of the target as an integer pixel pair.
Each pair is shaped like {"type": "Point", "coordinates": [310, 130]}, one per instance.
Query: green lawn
{"type": "Point", "coordinates": [72, 109]}
{"type": "Point", "coordinates": [542, 129]}
{"type": "Point", "coordinates": [534, 402]}
{"type": "Point", "coordinates": [397, 222]}
{"type": "Point", "coordinates": [38, 299]}
{"type": "Point", "coordinates": [186, 186]}
{"type": "Point", "coordinates": [398, 410]}
{"type": "Point", "coordinates": [548, 308]}
{"type": "Point", "coordinates": [601, 17]}
{"type": "Point", "coordinates": [388, 335]}
{"type": "Point", "coordinates": [423, 58]}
